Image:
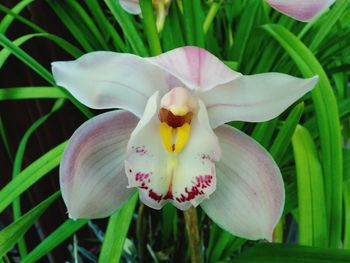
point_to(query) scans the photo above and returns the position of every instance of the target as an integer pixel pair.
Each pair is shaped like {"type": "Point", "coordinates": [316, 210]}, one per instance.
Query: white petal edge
{"type": "Point", "coordinates": [302, 10]}
{"type": "Point", "coordinates": [249, 196]}
{"type": "Point", "coordinates": [131, 6]}
{"type": "Point", "coordinates": [104, 79]}
{"type": "Point", "coordinates": [92, 176]}
{"type": "Point", "coordinates": [254, 98]}
{"type": "Point", "coordinates": [147, 166]}
{"type": "Point", "coordinates": [195, 67]}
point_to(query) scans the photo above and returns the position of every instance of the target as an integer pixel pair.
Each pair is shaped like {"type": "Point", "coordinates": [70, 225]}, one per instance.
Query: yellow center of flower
{"type": "Point", "coordinates": [175, 115]}
{"type": "Point", "coordinates": [174, 139]}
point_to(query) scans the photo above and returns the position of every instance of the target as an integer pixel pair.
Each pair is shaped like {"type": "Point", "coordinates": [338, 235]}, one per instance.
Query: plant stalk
{"type": "Point", "coordinates": [193, 234]}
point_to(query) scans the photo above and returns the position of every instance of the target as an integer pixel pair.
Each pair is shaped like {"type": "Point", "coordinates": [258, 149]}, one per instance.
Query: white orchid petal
{"type": "Point", "coordinates": [195, 67]}
{"type": "Point", "coordinates": [249, 196]}
{"type": "Point", "coordinates": [131, 6]}
{"type": "Point", "coordinates": [105, 79]}
{"type": "Point", "coordinates": [303, 10]}
{"type": "Point", "coordinates": [92, 175]}
{"type": "Point", "coordinates": [254, 98]}
{"type": "Point", "coordinates": [149, 165]}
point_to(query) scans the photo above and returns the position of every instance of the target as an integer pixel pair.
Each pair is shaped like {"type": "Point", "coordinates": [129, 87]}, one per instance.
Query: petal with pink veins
{"type": "Point", "coordinates": [183, 179]}
{"type": "Point", "coordinates": [92, 174]}
{"type": "Point", "coordinates": [195, 67]}
{"type": "Point", "coordinates": [254, 98]}
{"type": "Point", "coordinates": [131, 6]}
{"type": "Point", "coordinates": [303, 10]}
{"type": "Point", "coordinates": [249, 196]}
{"type": "Point", "coordinates": [104, 79]}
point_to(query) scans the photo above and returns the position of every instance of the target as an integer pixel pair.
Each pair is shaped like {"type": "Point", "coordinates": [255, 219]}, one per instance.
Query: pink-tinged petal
{"type": "Point", "coordinates": [183, 179]}
{"type": "Point", "coordinates": [249, 196]}
{"type": "Point", "coordinates": [254, 98]}
{"type": "Point", "coordinates": [195, 67]}
{"type": "Point", "coordinates": [303, 10]}
{"type": "Point", "coordinates": [131, 6]}
{"type": "Point", "coordinates": [105, 79]}
{"type": "Point", "coordinates": [92, 174]}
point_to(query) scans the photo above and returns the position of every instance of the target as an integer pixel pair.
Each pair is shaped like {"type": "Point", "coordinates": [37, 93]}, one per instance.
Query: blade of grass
{"type": "Point", "coordinates": [188, 22]}
{"type": "Point", "coordinates": [17, 166]}
{"type": "Point", "coordinates": [75, 29]}
{"type": "Point", "coordinates": [30, 175]}
{"type": "Point", "coordinates": [244, 30]}
{"type": "Point", "coordinates": [5, 22]}
{"type": "Point", "coordinates": [284, 136]}
{"type": "Point", "coordinates": [312, 224]}
{"type": "Point", "coordinates": [104, 25]}
{"type": "Point", "coordinates": [328, 23]}
{"type": "Point", "coordinates": [4, 139]}
{"type": "Point", "coordinates": [61, 233]}
{"type": "Point", "coordinates": [8, 19]}
{"type": "Point", "coordinates": [79, 14]}
{"type": "Point", "coordinates": [21, 93]}
{"type": "Point", "coordinates": [328, 126]}
{"type": "Point", "coordinates": [37, 67]}
{"type": "Point", "coordinates": [149, 25]}
{"type": "Point", "coordinates": [277, 253]}
{"type": "Point", "coordinates": [117, 230]}
{"type": "Point", "coordinates": [6, 52]}
{"type": "Point", "coordinates": [10, 235]}
{"type": "Point", "coordinates": [125, 22]}
{"type": "Point", "coordinates": [347, 198]}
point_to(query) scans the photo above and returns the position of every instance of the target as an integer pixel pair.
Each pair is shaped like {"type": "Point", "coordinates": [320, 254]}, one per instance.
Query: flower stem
{"type": "Point", "coordinates": [193, 234]}
{"type": "Point", "coordinates": [150, 28]}
{"type": "Point", "coordinates": [214, 8]}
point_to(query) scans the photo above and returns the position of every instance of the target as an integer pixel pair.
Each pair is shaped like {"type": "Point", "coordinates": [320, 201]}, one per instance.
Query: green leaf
{"type": "Point", "coordinates": [37, 67]}
{"type": "Point", "coordinates": [117, 231]}
{"type": "Point", "coordinates": [20, 93]}
{"type": "Point", "coordinates": [77, 31]}
{"type": "Point", "coordinates": [61, 233]}
{"type": "Point", "coordinates": [312, 224]}
{"type": "Point", "coordinates": [129, 29]}
{"type": "Point", "coordinates": [346, 153]}
{"type": "Point", "coordinates": [328, 23]}
{"type": "Point", "coordinates": [328, 126]}
{"type": "Point", "coordinates": [104, 25]}
{"type": "Point", "coordinates": [8, 19]}
{"type": "Point", "coordinates": [10, 235]}
{"type": "Point", "coordinates": [4, 139]}
{"type": "Point", "coordinates": [65, 45]}
{"type": "Point", "coordinates": [277, 253]}
{"type": "Point", "coordinates": [30, 175]}
{"type": "Point", "coordinates": [11, 15]}
{"type": "Point", "coordinates": [244, 29]}
{"type": "Point", "coordinates": [149, 25]}
{"type": "Point", "coordinates": [284, 136]}
{"type": "Point", "coordinates": [17, 165]}
{"type": "Point", "coordinates": [347, 198]}
{"type": "Point", "coordinates": [28, 60]}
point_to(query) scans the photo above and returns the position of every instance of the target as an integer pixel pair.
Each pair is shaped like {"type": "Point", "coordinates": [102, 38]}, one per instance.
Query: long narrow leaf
{"type": "Point", "coordinates": [61, 233]}
{"type": "Point", "coordinates": [311, 200]}
{"type": "Point", "coordinates": [30, 175]}
{"type": "Point", "coordinates": [328, 125]}
{"type": "Point", "coordinates": [10, 235]}
{"type": "Point", "coordinates": [117, 230]}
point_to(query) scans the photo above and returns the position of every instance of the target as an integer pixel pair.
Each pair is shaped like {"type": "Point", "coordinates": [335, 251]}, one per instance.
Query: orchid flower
{"type": "Point", "coordinates": [170, 142]}
{"type": "Point", "coordinates": [161, 9]}
{"type": "Point", "coordinates": [302, 10]}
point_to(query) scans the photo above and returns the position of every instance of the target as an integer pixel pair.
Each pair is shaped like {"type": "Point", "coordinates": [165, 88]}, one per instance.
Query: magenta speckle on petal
{"type": "Point", "coordinates": [202, 182]}
{"type": "Point", "coordinates": [156, 197]}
